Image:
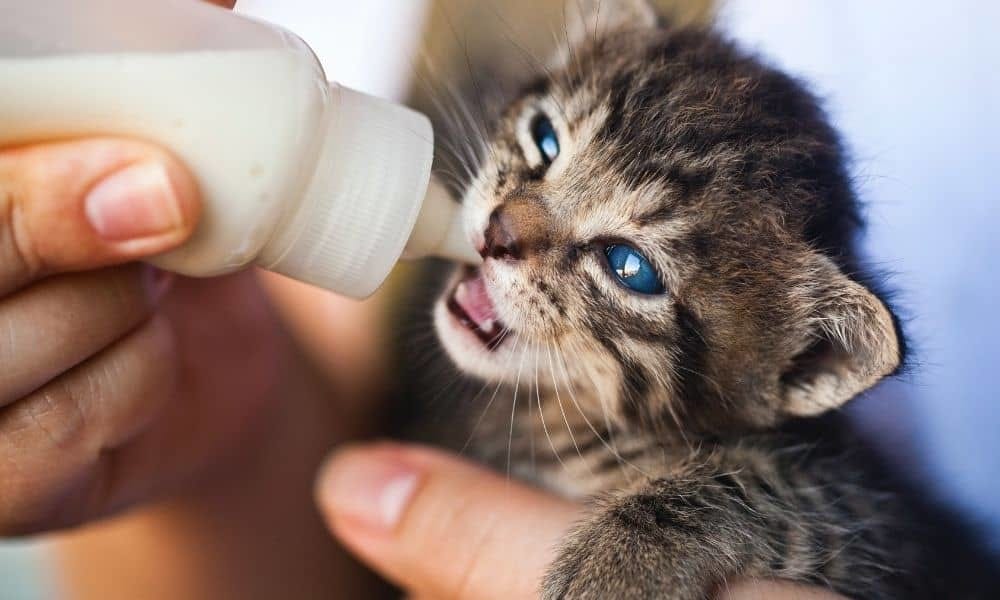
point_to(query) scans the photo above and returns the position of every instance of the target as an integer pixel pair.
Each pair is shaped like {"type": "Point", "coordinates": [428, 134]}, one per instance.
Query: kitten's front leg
{"type": "Point", "coordinates": [661, 542]}
{"type": "Point", "coordinates": [684, 538]}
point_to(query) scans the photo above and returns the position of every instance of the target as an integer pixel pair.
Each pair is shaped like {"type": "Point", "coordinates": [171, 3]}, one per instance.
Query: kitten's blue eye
{"type": "Point", "coordinates": [545, 138]}
{"type": "Point", "coordinates": [633, 270]}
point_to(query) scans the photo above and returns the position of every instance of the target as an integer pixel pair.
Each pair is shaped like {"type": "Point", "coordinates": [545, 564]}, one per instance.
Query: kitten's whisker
{"type": "Point", "coordinates": [451, 371]}
{"type": "Point", "coordinates": [569, 386]}
{"type": "Point", "coordinates": [468, 156]}
{"type": "Point", "coordinates": [444, 84]}
{"type": "Point", "coordinates": [607, 417]}
{"type": "Point", "coordinates": [493, 398]}
{"type": "Point", "coordinates": [503, 335]}
{"type": "Point", "coordinates": [672, 410]}
{"type": "Point", "coordinates": [572, 58]}
{"type": "Point", "coordinates": [513, 408]}
{"type": "Point", "coordinates": [472, 78]}
{"type": "Point", "coordinates": [719, 390]}
{"type": "Point", "coordinates": [563, 79]}
{"type": "Point", "coordinates": [707, 378]}
{"type": "Point", "coordinates": [597, 23]}
{"type": "Point", "coordinates": [477, 127]}
{"type": "Point", "coordinates": [508, 30]}
{"type": "Point", "coordinates": [472, 401]}
{"type": "Point", "coordinates": [562, 411]}
{"type": "Point", "coordinates": [541, 415]}
{"type": "Point", "coordinates": [440, 393]}
{"type": "Point", "coordinates": [531, 427]}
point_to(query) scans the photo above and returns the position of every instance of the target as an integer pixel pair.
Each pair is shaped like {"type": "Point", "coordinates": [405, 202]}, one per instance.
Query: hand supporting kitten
{"type": "Point", "coordinates": [434, 551]}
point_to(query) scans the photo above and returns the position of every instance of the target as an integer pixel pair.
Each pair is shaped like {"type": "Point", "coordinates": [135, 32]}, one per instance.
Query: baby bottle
{"type": "Point", "coordinates": [297, 175]}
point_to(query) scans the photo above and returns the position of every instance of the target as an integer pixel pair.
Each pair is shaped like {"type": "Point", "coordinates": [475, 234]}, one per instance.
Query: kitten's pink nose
{"type": "Point", "coordinates": [517, 229]}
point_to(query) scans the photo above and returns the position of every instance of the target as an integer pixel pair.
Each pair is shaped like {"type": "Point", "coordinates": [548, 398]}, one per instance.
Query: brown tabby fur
{"type": "Point", "coordinates": [702, 423]}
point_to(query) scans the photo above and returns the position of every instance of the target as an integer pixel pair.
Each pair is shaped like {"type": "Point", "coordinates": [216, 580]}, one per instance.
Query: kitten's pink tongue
{"type": "Point", "coordinates": [472, 297]}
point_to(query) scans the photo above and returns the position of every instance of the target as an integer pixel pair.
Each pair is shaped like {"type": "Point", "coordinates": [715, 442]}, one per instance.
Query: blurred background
{"type": "Point", "coordinates": [913, 88]}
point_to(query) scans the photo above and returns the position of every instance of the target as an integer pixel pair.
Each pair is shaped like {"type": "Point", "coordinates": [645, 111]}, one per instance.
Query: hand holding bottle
{"type": "Point", "coordinates": [111, 391]}
{"type": "Point", "coordinates": [284, 171]}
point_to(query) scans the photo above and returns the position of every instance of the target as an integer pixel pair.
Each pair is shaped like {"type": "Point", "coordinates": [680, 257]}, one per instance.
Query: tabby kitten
{"type": "Point", "coordinates": [670, 296]}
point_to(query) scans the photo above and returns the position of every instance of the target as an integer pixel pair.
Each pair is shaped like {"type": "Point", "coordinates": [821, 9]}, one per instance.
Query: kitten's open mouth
{"type": "Point", "coordinates": [471, 305]}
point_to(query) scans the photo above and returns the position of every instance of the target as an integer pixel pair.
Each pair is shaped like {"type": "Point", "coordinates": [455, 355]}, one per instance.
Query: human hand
{"type": "Point", "coordinates": [112, 389]}
{"type": "Point", "coordinates": [441, 528]}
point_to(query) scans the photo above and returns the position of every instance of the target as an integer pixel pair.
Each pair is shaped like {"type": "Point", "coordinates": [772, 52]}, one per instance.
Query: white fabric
{"type": "Point", "coordinates": [914, 87]}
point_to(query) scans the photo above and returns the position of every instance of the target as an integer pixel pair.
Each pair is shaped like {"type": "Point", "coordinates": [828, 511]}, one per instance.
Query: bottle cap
{"type": "Point", "coordinates": [359, 210]}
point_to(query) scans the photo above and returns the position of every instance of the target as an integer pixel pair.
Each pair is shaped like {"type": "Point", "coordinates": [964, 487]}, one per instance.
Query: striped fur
{"type": "Point", "coordinates": [681, 416]}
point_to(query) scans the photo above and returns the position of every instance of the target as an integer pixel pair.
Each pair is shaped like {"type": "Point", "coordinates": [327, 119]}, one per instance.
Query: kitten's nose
{"type": "Point", "coordinates": [517, 228]}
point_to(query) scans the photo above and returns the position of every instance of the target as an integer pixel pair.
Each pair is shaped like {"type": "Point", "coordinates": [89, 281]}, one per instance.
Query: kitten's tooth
{"type": "Point", "coordinates": [487, 325]}
{"type": "Point", "coordinates": [461, 293]}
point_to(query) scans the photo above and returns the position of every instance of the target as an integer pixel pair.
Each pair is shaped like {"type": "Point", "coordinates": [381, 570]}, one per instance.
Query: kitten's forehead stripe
{"type": "Point", "coordinates": [655, 215]}
{"type": "Point", "coordinates": [540, 86]}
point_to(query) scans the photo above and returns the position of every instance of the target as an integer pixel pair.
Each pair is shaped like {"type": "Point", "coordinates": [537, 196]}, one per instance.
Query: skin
{"type": "Point", "coordinates": [118, 393]}
{"type": "Point", "coordinates": [168, 460]}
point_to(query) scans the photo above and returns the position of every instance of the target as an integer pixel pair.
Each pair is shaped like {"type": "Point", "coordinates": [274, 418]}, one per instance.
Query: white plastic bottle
{"type": "Point", "coordinates": [309, 179]}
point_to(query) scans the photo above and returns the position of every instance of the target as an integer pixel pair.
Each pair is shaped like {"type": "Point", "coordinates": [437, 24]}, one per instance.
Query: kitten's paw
{"type": "Point", "coordinates": [626, 551]}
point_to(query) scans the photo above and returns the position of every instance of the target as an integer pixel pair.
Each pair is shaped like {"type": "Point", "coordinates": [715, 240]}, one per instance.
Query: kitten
{"type": "Point", "coordinates": [670, 296]}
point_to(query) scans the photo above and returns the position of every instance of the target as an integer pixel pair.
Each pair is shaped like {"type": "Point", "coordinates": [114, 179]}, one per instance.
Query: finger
{"type": "Point", "coordinates": [78, 205]}
{"type": "Point", "coordinates": [59, 445]}
{"type": "Point", "coordinates": [52, 326]}
{"type": "Point", "coordinates": [439, 527]}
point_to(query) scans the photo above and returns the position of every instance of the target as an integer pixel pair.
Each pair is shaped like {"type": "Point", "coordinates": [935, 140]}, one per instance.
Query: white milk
{"type": "Point", "coordinates": [244, 122]}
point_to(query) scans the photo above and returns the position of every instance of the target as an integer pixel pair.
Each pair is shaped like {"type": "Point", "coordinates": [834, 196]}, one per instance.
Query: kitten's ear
{"type": "Point", "coordinates": [849, 341]}
{"type": "Point", "coordinates": [589, 19]}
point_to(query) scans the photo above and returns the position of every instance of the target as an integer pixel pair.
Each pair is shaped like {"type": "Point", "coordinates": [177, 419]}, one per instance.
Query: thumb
{"type": "Point", "coordinates": [84, 204]}
{"type": "Point", "coordinates": [440, 527]}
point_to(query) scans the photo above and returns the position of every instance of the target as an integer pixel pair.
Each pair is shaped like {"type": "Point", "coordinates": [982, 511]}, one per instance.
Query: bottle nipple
{"type": "Point", "coordinates": [439, 230]}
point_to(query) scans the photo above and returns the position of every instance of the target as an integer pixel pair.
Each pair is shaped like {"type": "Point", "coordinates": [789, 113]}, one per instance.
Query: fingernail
{"type": "Point", "coordinates": [136, 202]}
{"type": "Point", "coordinates": [157, 282]}
{"type": "Point", "coordinates": [372, 490]}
